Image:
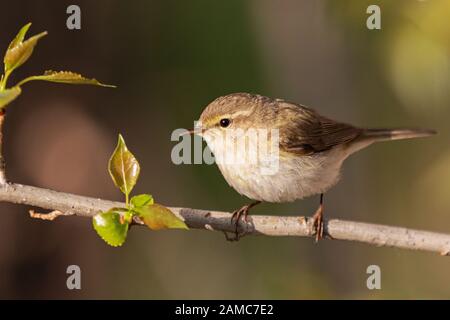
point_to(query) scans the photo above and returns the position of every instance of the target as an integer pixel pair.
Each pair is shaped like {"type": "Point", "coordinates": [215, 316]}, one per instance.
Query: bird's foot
{"type": "Point", "coordinates": [236, 217]}
{"type": "Point", "coordinates": [318, 223]}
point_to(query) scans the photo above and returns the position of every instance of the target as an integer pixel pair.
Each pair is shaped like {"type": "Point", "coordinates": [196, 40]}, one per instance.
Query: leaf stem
{"type": "Point", "coordinates": [4, 80]}
{"type": "Point", "coordinates": [25, 81]}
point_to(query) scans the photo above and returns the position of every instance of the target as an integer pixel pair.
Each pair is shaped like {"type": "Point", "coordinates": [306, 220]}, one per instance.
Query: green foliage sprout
{"type": "Point", "coordinates": [18, 52]}
{"type": "Point", "coordinates": [112, 225]}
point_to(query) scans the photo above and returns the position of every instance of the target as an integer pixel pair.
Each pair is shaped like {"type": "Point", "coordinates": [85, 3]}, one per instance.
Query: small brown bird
{"type": "Point", "coordinates": [311, 149]}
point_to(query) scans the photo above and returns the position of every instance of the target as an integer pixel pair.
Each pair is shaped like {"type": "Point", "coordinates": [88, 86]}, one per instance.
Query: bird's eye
{"type": "Point", "coordinates": [225, 122]}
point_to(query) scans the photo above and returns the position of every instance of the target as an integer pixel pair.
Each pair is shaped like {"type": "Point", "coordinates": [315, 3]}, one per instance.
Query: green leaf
{"type": "Point", "coordinates": [111, 227]}
{"type": "Point", "coordinates": [157, 217]}
{"type": "Point", "coordinates": [20, 36]}
{"type": "Point", "coordinates": [19, 53]}
{"type": "Point", "coordinates": [141, 200]}
{"type": "Point", "coordinates": [8, 95]}
{"type": "Point", "coordinates": [68, 77]}
{"type": "Point", "coordinates": [123, 168]}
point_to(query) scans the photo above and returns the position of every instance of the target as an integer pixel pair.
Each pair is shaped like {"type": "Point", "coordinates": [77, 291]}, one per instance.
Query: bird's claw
{"type": "Point", "coordinates": [318, 223]}
{"type": "Point", "coordinates": [236, 216]}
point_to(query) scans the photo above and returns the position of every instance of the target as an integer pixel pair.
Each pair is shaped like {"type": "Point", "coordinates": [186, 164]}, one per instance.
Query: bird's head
{"type": "Point", "coordinates": [231, 112]}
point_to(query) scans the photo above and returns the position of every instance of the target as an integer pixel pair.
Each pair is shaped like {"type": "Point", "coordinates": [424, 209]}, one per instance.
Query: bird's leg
{"type": "Point", "coordinates": [318, 220]}
{"type": "Point", "coordinates": [237, 214]}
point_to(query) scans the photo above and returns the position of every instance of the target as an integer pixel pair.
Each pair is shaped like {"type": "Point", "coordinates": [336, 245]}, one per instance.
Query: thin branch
{"type": "Point", "coordinates": [373, 234]}
{"type": "Point", "coordinates": [48, 216]}
{"type": "Point", "coordinates": [2, 159]}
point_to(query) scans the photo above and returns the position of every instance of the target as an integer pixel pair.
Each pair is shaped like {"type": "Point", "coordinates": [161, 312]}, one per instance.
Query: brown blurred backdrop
{"type": "Point", "coordinates": [169, 59]}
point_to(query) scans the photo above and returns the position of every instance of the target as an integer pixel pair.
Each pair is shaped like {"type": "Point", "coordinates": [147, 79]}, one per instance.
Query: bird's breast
{"type": "Point", "coordinates": [284, 179]}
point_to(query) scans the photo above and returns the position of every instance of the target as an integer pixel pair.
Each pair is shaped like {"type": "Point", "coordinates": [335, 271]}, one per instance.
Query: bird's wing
{"type": "Point", "coordinates": [305, 132]}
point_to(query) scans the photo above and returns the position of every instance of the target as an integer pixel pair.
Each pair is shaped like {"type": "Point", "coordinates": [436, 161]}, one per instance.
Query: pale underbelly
{"type": "Point", "coordinates": [294, 178]}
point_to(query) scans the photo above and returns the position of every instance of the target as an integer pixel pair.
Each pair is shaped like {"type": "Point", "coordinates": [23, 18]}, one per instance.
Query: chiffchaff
{"type": "Point", "coordinates": [310, 148]}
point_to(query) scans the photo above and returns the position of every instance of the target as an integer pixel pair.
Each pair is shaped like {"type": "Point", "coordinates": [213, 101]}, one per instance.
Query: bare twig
{"type": "Point", "coordinates": [373, 234]}
{"type": "Point", "coordinates": [48, 216]}
{"type": "Point", "coordinates": [2, 159]}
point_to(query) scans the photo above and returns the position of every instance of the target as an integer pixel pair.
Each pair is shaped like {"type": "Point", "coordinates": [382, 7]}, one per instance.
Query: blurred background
{"type": "Point", "coordinates": [169, 59]}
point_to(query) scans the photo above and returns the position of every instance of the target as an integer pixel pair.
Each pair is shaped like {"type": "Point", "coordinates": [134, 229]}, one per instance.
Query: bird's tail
{"type": "Point", "coordinates": [369, 136]}
{"type": "Point", "coordinates": [395, 134]}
